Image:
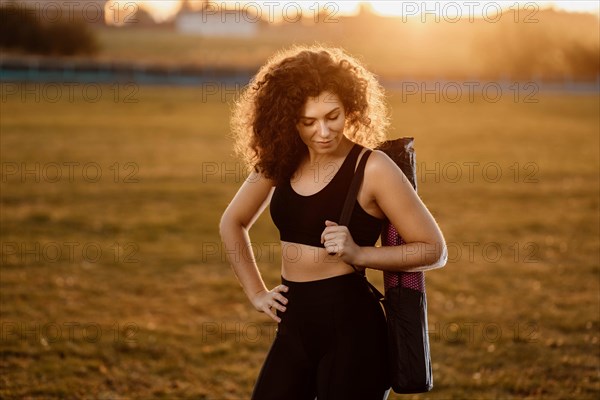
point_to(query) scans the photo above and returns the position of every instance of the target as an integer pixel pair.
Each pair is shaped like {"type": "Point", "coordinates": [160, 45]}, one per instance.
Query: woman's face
{"type": "Point", "coordinates": [321, 124]}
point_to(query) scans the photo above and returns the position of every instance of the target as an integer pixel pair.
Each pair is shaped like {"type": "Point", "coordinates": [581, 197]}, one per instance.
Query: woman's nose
{"type": "Point", "coordinates": [323, 129]}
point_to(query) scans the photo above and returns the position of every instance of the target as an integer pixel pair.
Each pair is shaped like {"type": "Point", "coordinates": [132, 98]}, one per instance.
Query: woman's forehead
{"type": "Point", "coordinates": [322, 104]}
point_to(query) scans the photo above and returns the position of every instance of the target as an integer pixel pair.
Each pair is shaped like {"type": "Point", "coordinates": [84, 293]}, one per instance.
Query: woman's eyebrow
{"type": "Point", "coordinates": [305, 117]}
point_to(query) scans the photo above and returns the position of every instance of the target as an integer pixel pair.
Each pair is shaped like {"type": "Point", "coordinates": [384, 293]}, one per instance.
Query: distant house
{"type": "Point", "coordinates": [210, 22]}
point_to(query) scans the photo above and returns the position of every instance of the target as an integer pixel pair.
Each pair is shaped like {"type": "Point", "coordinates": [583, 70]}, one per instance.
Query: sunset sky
{"type": "Point", "coordinates": [161, 10]}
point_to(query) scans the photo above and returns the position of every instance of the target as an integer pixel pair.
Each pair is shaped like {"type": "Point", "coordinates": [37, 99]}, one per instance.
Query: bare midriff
{"type": "Point", "coordinates": [301, 263]}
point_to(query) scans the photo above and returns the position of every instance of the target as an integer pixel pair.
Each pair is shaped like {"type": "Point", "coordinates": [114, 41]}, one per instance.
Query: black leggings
{"type": "Point", "coordinates": [331, 343]}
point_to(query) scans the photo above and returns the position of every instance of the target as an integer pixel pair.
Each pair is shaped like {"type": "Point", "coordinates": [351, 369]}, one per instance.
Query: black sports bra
{"type": "Point", "coordinates": [301, 219]}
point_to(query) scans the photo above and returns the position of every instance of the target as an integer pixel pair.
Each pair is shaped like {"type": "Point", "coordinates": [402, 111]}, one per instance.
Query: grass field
{"type": "Point", "coordinates": [113, 284]}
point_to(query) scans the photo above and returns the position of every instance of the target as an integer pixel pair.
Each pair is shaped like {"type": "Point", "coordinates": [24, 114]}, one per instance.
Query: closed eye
{"type": "Point", "coordinates": [328, 115]}
{"type": "Point", "coordinates": [313, 121]}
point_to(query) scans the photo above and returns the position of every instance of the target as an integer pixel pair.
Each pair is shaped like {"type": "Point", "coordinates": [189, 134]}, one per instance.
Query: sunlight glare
{"type": "Point", "coordinates": [162, 10]}
{"type": "Point", "coordinates": [396, 8]}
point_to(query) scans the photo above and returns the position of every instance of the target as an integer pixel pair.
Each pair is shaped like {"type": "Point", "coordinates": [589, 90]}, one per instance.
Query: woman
{"type": "Point", "coordinates": [303, 123]}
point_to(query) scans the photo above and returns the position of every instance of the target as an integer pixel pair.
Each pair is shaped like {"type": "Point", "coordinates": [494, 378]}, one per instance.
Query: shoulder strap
{"type": "Point", "coordinates": [349, 207]}
{"type": "Point", "coordinates": [353, 191]}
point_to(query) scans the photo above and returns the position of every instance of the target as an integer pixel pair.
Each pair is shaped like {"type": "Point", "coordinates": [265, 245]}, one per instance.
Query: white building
{"type": "Point", "coordinates": [231, 23]}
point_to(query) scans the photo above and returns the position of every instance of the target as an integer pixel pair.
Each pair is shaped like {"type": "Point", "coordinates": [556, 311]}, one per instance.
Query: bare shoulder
{"type": "Point", "coordinates": [260, 179]}
{"type": "Point", "coordinates": [384, 177]}
{"type": "Point", "coordinates": [380, 165]}
{"type": "Point", "coordinates": [257, 187]}
{"type": "Point", "coordinates": [396, 197]}
{"type": "Point", "coordinates": [251, 199]}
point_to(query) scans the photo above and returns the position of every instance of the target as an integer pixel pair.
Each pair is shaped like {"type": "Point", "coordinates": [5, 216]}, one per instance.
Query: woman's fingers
{"type": "Point", "coordinates": [271, 314]}
{"type": "Point", "coordinates": [281, 288]}
{"type": "Point", "coordinates": [276, 301]}
{"type": "Point", "coordinates": [277, 306]}
{"type": "Point", "coordinates": [332, 248]}
{"type": "Point", "coordinates": [281, 299]}
{"type": "Point", "coordinates": [335, 240]}
{"type": "Point", "coordinates": [332, 233]}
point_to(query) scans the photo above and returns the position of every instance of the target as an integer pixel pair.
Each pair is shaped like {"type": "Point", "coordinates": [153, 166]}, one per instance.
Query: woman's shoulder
{"type": "Point", "coordinates": [380, 165]}
{"type": "Point", "coordinates": [259, 177]}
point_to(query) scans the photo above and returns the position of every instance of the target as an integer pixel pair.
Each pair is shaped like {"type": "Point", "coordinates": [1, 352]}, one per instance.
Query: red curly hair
{"type": "Point", "coordinates": [265, 115]}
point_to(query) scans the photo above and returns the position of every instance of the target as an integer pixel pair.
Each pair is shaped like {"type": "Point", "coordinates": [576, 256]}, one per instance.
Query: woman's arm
{"type": "Point", "coordinates": [249, 202]}
{"type": "Point", "coordinates": [425, 246]}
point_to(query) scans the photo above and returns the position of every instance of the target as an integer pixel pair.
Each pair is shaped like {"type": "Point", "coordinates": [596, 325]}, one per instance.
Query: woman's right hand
{"type": "Point", "coordinates": [265, 300]}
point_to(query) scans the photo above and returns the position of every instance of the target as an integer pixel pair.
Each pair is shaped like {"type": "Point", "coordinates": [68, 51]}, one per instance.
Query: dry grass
{"type": "Point", "coordinates": [176, 324]}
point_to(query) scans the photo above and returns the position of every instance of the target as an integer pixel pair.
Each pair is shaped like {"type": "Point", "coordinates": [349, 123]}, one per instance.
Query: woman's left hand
{"type": "Point", "coordinates": [337, 240]}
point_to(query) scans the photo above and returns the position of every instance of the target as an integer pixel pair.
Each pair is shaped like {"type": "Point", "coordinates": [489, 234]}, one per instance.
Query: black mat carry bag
{"type": "Point", "coordinates": [405, 302]}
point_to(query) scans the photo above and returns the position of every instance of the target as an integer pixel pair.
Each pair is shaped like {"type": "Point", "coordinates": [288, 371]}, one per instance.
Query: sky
{"type": "Point", "coordinates": [164, 9]}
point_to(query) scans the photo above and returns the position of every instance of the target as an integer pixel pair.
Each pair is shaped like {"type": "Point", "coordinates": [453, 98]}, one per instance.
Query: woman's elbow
{"type": "Point", "coordinates": [443, 257]}
{"type": "Point", "coordinates": [437, 255]}
{"type": "Point", "coordinates": [227, 223]}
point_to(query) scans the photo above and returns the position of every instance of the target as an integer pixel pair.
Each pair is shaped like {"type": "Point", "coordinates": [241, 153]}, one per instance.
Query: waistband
{"type": "Point", "coordinates": [341, 288]}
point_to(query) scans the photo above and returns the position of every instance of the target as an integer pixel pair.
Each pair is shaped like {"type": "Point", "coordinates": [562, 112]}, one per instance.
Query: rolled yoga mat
{"type": "Point", "coordinates": [402, 152]}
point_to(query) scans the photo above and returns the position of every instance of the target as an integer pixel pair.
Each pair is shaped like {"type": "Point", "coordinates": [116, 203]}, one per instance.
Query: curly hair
{"type": "Point", "coordinates": [264, 116]}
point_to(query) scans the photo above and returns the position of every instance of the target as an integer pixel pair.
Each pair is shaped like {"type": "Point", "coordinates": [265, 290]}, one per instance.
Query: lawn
{"type": "Point", "coordinates": [114, 283]}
